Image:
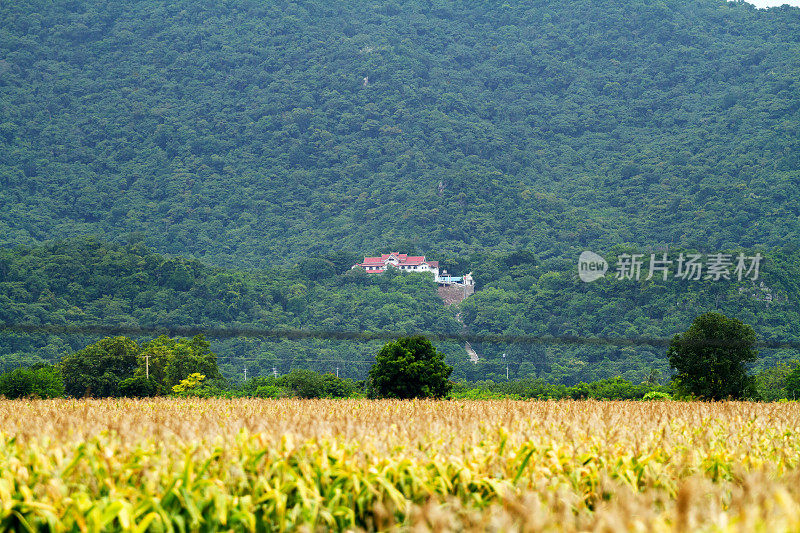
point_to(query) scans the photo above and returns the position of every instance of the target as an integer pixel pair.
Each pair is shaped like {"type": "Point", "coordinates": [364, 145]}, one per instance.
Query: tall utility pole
{"type": "Point", "coordinates": [245, 373]}
{"type": "Point", "coordinates": [504, 360]}
{"type": "Point", "coordinates": [147, 365]}
{"type": "Point", "coordinates": [337, 371]}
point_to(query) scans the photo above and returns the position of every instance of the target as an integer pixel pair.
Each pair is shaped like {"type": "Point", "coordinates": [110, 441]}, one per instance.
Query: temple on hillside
{"type": "Point", "coordinates": [412, 263]}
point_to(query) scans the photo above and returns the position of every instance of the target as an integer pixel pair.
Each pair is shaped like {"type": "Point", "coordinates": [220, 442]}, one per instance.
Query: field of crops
{"type": "Point", "coordinates": [272, 465]}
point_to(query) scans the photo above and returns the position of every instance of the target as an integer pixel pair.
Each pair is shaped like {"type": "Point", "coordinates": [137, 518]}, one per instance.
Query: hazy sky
{"type": "Point", "coordinates": [772, 3]}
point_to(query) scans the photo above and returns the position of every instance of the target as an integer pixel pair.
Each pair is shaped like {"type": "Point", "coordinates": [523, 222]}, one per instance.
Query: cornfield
{"type": "Point", "coordinates": [278, 465]}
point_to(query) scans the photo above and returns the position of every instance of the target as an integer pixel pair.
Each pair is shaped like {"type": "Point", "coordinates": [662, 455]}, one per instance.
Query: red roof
{"type": "Point", "coordinates": [402, 259]}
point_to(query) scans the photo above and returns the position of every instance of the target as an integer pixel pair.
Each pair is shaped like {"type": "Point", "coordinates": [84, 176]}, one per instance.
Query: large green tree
{"type": "Point", "coordinates": [410, 367]}
{"type": "Point", "coordinates": [167, 361]}
{"type": "Point", "coordinates": [98, 369]}
{"type": "Point", "coordinates": [710, 358]}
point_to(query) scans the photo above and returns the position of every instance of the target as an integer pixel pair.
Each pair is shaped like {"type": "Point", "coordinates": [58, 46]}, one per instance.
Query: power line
{"type": "Point", "coordinates": [267, 359]}
{"type": "Point", "coordinates": [363, 336]}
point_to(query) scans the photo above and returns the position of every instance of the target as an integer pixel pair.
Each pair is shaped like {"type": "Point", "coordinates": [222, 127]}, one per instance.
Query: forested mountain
{"type": "Point", "coordinates": [241, 155]}
{"type": "Point", "coordinates": [251, 134]}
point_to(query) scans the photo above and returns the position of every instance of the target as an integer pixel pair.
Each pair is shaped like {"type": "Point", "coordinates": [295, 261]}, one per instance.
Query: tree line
{"type": "Point", "coordinates": [709, 362]}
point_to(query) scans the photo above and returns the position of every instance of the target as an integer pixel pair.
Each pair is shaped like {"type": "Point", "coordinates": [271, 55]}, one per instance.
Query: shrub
{"type": "Point", "coordinates": [138, 387]}
{"type": "Point", "coordinates": [271, 391]}
{"type": "Point", "coordinates": [303, 383]}
{"type": "Point", "coordinates": [191, 386]}
{"type": "Point", "coordinates": [656, 395]}
{"type": "Point", "coordinates": [335, 387]}
{"type": "Point", "coordinates": [42, 382]}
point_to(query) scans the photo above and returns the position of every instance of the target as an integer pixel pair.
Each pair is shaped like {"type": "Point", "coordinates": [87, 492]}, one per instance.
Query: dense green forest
{"type": "Point", "coordinates": [234, 158]}
{"type": "Point", "coordinates": [253, 134]}
{"type": "Point", "coordinates": [519, 295]}
{"type": "Point", "coordinates": [85, 282]}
